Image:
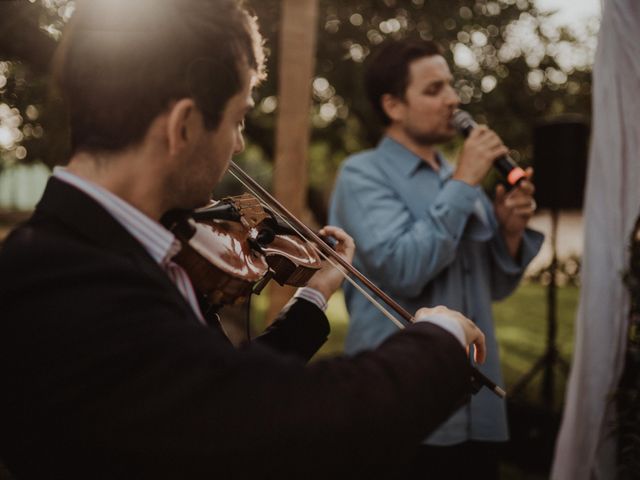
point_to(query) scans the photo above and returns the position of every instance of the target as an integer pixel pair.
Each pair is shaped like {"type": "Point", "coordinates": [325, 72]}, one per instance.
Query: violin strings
{"type": "Point", "coordinates": [324, 256]}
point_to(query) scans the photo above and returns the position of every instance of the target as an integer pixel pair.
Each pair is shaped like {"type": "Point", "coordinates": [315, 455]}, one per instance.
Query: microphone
{"type": "Point", "coordinates": [464, 123]}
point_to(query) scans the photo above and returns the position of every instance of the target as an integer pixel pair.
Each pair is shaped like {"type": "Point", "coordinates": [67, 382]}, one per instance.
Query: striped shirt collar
{"type": "Point", "coordinates": [159, 242]}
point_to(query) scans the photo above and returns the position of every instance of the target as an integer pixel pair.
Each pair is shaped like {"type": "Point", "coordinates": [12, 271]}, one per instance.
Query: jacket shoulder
{"type": "Point", "coordinates": [34, 240]}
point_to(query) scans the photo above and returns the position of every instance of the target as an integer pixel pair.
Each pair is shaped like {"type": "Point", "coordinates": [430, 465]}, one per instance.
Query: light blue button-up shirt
{"type": "Point", "coordinates": [428, 240]}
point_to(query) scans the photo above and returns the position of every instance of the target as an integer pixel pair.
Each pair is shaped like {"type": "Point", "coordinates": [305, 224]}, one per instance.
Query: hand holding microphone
{"type": "Point", "coordinates": [482, 150]}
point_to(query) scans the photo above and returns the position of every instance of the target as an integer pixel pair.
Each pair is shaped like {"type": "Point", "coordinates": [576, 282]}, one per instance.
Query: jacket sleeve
{"type": "Point", "coordinates": [104, 370]}
{"type": "Point", "coordinates": [300, 329]}
{"type": "Point", "coordinates": [403, 253]}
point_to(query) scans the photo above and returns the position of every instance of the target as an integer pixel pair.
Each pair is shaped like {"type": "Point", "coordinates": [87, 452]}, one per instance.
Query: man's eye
{"type": "Point", "coordinates": [241, 124]}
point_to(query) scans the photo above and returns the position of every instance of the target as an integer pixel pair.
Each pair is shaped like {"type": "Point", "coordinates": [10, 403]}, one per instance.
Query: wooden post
{"type": "Point", "coordinates": [297, 63]}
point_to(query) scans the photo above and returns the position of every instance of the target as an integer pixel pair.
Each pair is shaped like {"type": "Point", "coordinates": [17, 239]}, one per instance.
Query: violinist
{"type": "Point", "coordinates": [110, 366]}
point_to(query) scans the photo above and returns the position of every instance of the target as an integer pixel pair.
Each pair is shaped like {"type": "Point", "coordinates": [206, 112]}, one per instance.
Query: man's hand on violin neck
{"type": "Point", "coordinates": [460, 326]}
{"type": "Point", "coordinates": [328, 279]}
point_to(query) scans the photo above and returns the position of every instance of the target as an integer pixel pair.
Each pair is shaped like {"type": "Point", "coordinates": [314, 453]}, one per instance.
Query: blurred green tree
{"type": "Point", "coordinates": [512, 67]}
{"type": "Point", "coordinates": [32, 120]}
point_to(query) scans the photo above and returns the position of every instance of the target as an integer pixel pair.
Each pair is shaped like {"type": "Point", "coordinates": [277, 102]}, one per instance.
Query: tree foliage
{"type": "Point", "coordinates": [32, 119]}
{"type": "Point", "coordinates": [512, 69]}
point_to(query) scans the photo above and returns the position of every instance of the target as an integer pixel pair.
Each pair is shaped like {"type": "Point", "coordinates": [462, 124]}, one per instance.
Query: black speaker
{"type": "Point", "coordinates": [560, 150]}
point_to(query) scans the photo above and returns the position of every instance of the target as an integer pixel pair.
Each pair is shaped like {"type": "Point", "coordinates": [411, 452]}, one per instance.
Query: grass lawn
{"type": "Point", "coordinates": [521, 325]}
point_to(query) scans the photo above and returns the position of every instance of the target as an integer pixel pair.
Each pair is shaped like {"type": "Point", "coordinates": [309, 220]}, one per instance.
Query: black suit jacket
{"type": "Point", "coordinates": [106, 373]}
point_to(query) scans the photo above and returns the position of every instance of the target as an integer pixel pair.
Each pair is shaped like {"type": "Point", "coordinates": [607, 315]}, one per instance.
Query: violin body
{"type": "Point", "coordinates": [220, 261]}
{"type": "Point", "coordinates": [292, 261]}
{"type": "Point", "coordinates": [232, 248]}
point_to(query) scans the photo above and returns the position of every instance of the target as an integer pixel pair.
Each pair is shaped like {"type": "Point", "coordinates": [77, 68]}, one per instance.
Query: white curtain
{"type": "Point", "coordinates": [585, 447]}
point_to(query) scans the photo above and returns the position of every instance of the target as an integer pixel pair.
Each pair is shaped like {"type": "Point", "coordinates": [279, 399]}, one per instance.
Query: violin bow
{"type": "Point", "coordinates": [478, 378]}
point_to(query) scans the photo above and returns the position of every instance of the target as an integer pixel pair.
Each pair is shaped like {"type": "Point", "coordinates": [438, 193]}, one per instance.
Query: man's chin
{"type": "Point", "coordinates": [434, 139]}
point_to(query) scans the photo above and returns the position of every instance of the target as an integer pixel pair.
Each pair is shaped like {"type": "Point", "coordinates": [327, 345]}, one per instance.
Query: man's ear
{"type": "Point", "coordinates": [183, 120]}
{"type": "Point", "coordinates": [392, 106]}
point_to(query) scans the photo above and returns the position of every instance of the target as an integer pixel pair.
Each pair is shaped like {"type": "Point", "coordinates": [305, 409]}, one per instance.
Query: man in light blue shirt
{"type": "Point", "coordinates": [427, 234]}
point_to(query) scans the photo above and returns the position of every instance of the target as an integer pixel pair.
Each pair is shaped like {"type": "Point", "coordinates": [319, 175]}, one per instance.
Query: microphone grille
{"type": "Point", "coordinates": [463, 122]}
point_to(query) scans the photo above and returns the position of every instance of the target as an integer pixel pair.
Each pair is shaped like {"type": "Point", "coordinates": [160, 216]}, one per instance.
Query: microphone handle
{"type": "Point", "coordinates": [510, 170]}
{"type": "Point", "coordinates": [504, 164]}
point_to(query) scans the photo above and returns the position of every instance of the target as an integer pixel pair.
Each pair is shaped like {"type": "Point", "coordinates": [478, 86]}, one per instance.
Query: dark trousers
{"type": "Point", "coordinates": [463, 461]}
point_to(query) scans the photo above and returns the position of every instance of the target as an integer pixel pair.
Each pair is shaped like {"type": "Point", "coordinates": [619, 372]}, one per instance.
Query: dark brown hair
{"type": "Point", "coordinates": [121, 62]}
{"type": "Point", "coordinates": [388, 70]}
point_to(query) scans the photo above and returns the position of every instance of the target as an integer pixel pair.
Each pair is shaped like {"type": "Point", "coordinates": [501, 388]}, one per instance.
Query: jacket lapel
{"type": "Point", "coordinates": [85, 217]}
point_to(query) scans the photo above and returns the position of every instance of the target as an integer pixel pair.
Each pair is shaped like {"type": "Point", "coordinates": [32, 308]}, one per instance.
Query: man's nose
{"type": "Point", "coordinates": [452, 97]}
{"type": "Point", "coordinates": [239, 144]}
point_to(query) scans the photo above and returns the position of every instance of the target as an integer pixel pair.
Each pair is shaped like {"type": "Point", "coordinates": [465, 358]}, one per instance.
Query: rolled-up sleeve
{"type": "Point", "coordinates": [507, 270]}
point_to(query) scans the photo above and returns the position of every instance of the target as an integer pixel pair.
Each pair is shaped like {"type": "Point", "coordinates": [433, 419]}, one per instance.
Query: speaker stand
{"type": "Point", "coordinates": [551, 357]}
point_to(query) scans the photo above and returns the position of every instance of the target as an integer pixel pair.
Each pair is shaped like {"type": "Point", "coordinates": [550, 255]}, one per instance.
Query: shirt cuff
{"type": "Point", "coordinates": [459, 195]}
{"type": "Point", "coordinates": [312, 295]}
{"type": "Point", "coordinates": [450, 325]}
{"type": "Point", "coordinates": [531, 244]}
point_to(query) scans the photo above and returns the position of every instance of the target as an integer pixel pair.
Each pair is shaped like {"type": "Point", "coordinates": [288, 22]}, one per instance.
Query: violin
{"type": "Point", "coordinates": [234, 247]}
{"type": "Point", "coordinates": [254, 244]}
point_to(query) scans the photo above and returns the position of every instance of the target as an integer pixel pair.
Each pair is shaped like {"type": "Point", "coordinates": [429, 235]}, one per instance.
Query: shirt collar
{"type": "Point", "coordinates": [408, 162]}
{"type": "Point", "coordinates": [159, 242]}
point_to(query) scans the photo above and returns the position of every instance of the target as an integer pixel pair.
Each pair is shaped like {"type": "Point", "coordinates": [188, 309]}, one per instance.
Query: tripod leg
{"type": "Point", "coordinates": [533, 371]}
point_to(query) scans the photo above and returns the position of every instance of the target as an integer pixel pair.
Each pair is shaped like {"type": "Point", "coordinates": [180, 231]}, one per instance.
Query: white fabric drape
{"type": "Point", "coordinates": [586, 444]}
